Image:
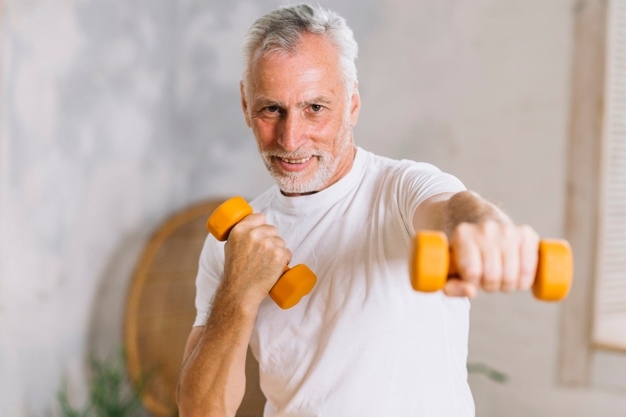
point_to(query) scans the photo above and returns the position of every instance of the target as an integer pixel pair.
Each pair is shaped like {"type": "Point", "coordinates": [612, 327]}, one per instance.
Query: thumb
{"type": "Point", "coordinates": [459, 288]}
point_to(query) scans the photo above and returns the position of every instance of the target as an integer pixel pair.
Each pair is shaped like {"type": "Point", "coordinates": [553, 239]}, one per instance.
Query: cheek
{"type": "Point", "coordinates": [332, 130]}
{"type": "Point", "coordinates": [263, 131]}
{"type": "Point", "coordinates": [328, 123]}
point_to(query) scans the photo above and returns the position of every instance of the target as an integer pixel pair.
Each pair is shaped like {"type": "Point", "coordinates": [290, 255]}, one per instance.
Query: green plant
{"type": "Point", "coordinates": [110, 394]}
{"type": "Point", "coordinates": [489, 372]}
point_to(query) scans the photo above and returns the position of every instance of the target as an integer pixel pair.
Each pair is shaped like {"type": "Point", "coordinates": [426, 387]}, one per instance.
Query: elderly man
{"type": "Point", "coordinates": [362, 343]}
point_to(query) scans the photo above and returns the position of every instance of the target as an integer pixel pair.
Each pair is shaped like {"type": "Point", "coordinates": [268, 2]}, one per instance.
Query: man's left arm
{"type": "Point", "coordinates": [491, 252]}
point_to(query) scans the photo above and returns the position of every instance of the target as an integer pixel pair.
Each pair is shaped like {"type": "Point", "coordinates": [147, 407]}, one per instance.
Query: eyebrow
{"type": "Point", "coordinates": [316, 100]}
{"type": "Point", "coordinates": [265, 101]}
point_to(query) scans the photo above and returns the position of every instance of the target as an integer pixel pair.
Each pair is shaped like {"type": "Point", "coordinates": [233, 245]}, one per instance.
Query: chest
{"type": "Point", "coordinates": [359, 251]}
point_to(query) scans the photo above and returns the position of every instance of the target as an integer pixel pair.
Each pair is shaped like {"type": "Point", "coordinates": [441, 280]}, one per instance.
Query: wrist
{"type": "Point", "coordinates": [241, 301]}
{"type": "Point", "coordinates": [469, 207]}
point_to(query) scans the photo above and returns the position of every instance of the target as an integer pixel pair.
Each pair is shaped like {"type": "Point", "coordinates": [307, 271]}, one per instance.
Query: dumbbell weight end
{"type": "Point", "coordinates": [554, 270]}
{"type": "Point", "coordinates": [430, 261]}
{"type": "Point", "coordinates": [226, 216]}
{"type": "Point", "coordinates": [294, 284]}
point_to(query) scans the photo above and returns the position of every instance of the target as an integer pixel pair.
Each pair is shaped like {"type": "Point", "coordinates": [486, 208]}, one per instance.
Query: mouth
{"type": "Point", "coordinates": [294, 164]}
{"type": "Point", "coordinates": [295, 161]}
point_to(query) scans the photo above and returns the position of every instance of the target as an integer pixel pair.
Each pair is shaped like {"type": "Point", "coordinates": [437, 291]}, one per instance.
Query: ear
{"type": "Point", "coordinates": [355, 104]}
{"type": "Point", "coordinates": [244, 104]}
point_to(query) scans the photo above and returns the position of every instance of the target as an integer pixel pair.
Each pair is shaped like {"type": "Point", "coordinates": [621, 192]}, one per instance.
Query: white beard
{"type": "Point", "coordinates": [294, 182]}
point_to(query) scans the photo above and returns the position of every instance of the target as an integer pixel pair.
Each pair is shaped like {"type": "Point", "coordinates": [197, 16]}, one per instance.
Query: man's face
{"type": "Point", "coordinates": [298, 109]}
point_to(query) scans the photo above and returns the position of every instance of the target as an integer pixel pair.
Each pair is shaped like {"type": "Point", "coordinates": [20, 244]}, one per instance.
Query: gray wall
{"type": "Point", "coordinates": [114, 114]}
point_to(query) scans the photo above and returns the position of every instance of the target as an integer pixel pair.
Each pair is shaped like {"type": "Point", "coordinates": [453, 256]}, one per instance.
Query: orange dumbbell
{"type": "Point", "coordinates": [432, 264]}
{"type": "Point", "coordinates": [293, 284]}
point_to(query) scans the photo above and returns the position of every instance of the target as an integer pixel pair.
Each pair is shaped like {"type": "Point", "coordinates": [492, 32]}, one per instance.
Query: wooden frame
{"type": "Point", "coordinates": [160, 308]}
{"type": "Point", "coordinates": [160, 311]}
{"type": "Point", "coordinates": [586, 123]}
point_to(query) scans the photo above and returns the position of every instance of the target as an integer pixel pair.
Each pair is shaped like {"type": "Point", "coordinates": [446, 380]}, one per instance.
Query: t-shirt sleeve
{"type": "Point", "coordinates": [419, 181]}
{"type": "Point", "coordinates": [210, 270]}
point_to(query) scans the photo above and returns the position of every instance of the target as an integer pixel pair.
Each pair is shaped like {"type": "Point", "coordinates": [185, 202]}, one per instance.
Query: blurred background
{"type": "Point", "coordinates": [116, 114]}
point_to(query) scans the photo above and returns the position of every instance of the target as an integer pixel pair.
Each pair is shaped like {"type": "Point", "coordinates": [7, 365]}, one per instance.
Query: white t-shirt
{"type": "Point", "coordinates": [363, 342]}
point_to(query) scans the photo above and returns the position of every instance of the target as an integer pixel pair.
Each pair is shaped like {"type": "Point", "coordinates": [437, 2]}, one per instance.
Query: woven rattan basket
{"type": "Point", "coordinates": [160, 312]}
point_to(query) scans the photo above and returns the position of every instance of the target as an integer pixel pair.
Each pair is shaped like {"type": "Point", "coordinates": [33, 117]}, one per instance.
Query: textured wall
{"type": "Point", "coordinates": [116, 113]}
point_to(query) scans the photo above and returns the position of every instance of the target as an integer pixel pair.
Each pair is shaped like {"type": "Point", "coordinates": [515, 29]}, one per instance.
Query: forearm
{"type": "Point", "coordinates": [212, 380]}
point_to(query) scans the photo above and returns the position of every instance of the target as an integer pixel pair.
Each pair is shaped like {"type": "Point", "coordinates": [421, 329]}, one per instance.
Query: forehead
{"type": "Point", "coordinates": [313, 66]}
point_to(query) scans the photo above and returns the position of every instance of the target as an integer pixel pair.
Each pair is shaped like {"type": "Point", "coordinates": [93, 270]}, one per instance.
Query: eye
{"type": "Point", "coordinates": [316, 108]}
{"type": "Point", "coordinates": [272, 109]}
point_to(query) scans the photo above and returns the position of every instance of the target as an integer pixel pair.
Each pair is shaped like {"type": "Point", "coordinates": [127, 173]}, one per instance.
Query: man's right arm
{"type": "Point", "coordinates": [212, 379]}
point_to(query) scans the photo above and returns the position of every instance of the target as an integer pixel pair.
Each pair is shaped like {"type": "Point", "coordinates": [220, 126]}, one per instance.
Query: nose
{"type": "Point", "coordinates": [292, 132]}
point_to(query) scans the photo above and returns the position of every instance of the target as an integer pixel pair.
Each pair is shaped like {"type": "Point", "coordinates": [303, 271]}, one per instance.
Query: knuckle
{"type": "Point", "coordinates": [236, 232]}
{"type": "Point", "coordinates": [506, 234]}
{"type": "Point", "coordinates": [257, 217]}
{"type": "Point", "coordinates": [509, 232]}
{"type": "Point", "coordinates": [463, 234]}
{"type": "Point", "coordinates": [277, 254]}
{"type": "Point", "coordinates": [490, 227]}
{"type": "Point", "coordinates": [491, 279]}
{"type": "Point", "coordinates": [252, 220]}
{"type": "Point", "coordinates": [509, 282]}
{"type": "Point", "coordinates": [462, 231]}
{"type": "Point", "coordinates": [266, 245]}
{"type": "Point", "coordinates": [256, 234]}
{"type": "Point", "coordinates": [469, 271]}
{"type": "Point", "coordinates": [271, 229]}
{"type": "Point", "coordinates": [528, 232]}
{"type": "Point", "coordinates": [527, 270]}
{"type": "Point", "coordinates": [491, 230]}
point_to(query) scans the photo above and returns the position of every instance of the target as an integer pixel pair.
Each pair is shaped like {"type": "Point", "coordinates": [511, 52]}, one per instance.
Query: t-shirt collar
{"type": "Point", "coordinates": [330, 194]}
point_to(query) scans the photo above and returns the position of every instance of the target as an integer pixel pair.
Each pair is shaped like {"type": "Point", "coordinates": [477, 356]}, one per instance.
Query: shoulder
{"type": "Point", "coordinates": [405, 176]}
{"type": "Point", "coordinates": [397, 167]}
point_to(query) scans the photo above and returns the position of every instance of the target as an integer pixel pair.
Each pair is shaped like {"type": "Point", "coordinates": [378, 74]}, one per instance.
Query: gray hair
{"type": "Point", "coordinates": [281, 29]}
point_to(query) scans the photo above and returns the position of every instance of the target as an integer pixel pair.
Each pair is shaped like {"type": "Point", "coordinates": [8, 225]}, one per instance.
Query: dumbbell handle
{"type": "Point", "coordinates": [432, 263]}
{"type": "Point", "coordinates": [293, 284]}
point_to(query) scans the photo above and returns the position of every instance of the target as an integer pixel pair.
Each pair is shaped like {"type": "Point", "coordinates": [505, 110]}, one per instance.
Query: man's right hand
{"type": "Point", "coordinates": [255, 258]}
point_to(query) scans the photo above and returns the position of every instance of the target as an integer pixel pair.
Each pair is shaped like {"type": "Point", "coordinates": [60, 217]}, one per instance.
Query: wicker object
{"type": "Point", "coordinates": [160, 312]}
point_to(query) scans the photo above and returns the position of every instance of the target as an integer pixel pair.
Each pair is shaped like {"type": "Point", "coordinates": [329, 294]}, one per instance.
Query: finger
{"type": "Point", "coordinates": [253, 220]}
{"type": "Point", "coordinates": [278, 241]}
{"type": "Point", "coordinates": [511, 264]}
{"type": "Point", "coordinates": [288, 256]}
{"type": "Point", "coordinates": [467, 255]}
{"type": "Point", "coordinates": [277, 256]}
{"type": "Point", "coordinates": [263, 231]}
{"type": "Point", "coordinates": [492, 268]}
{"type": "Point", "coordinates": [459, 288]}
{"type": "Point", "coordinates": [490, 239]}
{"type": "Point", "coordinates": [245, 225]}
{"type": "Point", "coordinates": [529, 257]}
